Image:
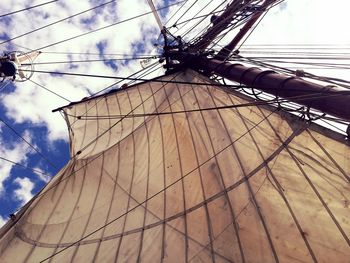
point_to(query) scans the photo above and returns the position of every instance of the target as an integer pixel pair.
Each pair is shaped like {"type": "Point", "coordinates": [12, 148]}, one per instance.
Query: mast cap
{"type": "Point", "coordinates": [8, 68]}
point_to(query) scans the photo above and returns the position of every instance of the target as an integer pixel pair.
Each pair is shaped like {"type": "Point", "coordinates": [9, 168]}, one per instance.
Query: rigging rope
{"type": "Point", "coordinates": [188, 9]}
{"type": "Point", "coordinates": [196, 17]}
{"type": "Point", "coordinates": [159, 192]}
{"type": "Point", "coordinates": [30, 145]}
{"type": "Point", "coordinates": [317, 95]}
{"type": "Point", "coordinates": [4, 85]}
{"type": "Point", "coordinates": [238, 17]}
{"type": "Point", "coordinates": [23, 166]}
{"type": "Point", "coordinates": [186, 22]}
{"type": "Point", "coordinates": [242, 21]}
{"type": "Point", "coordinates": [296, 98]}
{"type": "Point", "coordinates": [108, 87]}
{"type": "Point", "coordinates": [162, 81]}
{"type": "Point", "coordinates": [334, 126]}
{"type": "Point", "coordinates": [316, 65]}
{"type": "Point", "coordinates": [343, 83]}
{"type": "Point", "coordinates": [41, 86]}
{"type": "Point", "coordinates": [42, 192]}
{"type": "Point", "coordinates": [175, 12]}
{"type": "Point", "coordinates": [101, 54]}
{"type": "Point", "coordinates": [154, 67]}
{"type": "Point", "coordinates": [104, 27]}
{"type": "Point", "coordinates": [252, 30]}
{"type": "Point", "coordinates": [58, 21]}
{"type": "Point", "coordinates": [27, 8]}
{"type": "Point", "coordinates": [198, 23]}
{"type": "Point", "coordinates": [257, 24]}
{"type": "Point", "coordinates": [98, 155]}
{"type": "Point", "coordinates": [115, 218]}
{"type": "Point", "coordinates": [130, 77]}
{"type": "Point", "coordinates": [91, 60]}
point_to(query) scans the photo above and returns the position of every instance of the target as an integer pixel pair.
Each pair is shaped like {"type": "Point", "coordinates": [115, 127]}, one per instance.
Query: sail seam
{"type": "Point", "coordinates": [210, 199]}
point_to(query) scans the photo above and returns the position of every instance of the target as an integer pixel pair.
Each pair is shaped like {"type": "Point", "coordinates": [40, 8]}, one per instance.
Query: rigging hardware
{"type": "Point", "coordinates": [172, 45]}
{"type": "Point", "coordinates": [12, 66]}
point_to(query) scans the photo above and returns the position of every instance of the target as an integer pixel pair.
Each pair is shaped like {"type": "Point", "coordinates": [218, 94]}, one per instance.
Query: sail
{"type": "Point", "coordinates": [171, 171]}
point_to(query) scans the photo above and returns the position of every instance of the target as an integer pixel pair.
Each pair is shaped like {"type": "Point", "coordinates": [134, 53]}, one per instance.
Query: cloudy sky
{"type": "Point", "coordinates": [37, 139]}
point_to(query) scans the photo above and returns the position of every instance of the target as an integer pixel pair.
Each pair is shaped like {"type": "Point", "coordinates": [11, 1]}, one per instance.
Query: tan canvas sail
{"type": "Point", "coordinates": [153, 178]}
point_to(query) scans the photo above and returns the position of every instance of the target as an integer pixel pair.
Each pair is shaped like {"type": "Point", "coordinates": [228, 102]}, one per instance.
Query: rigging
{"type": "Point", "coordinates": [30, 144]}
{"type": "Point", "coordinates": [108, 26]}
{"type": "Point", "coordinates": [56, 22]}
{"type": "Point", "coordinates": [24, 166]}
{"type": "Point", "coordinates": [161, 191]}
{"type": "Point", "coordinates": [27, 8]}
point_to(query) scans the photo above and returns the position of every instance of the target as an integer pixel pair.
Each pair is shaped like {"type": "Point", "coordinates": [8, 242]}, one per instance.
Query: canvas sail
{"type": "Point", "coordinates": [153, 178]}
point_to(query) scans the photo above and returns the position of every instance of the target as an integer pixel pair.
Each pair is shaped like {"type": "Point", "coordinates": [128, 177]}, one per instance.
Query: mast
{"type": "Point", "coordinates": [225, 52]}
{"type": "Point", "coordinates": [329, 99]}
{"type": "Point", "coordinates": [233, 13]}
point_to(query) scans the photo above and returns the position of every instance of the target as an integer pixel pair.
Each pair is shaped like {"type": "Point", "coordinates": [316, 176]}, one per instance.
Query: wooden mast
{"type": "Point", "coordinates": [331, 100]}
{"type": "Point", "coordinates": [327, 99]}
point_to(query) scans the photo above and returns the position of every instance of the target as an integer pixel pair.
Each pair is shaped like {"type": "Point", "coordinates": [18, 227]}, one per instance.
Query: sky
{"type": "Point", "coordinates": [26, 107]}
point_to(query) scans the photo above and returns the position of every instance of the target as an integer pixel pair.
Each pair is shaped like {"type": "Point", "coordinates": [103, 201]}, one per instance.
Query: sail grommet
{"type": "Point", "coordinates": [300, 73]}
{"type": "Point", "coordinates": [12, 217]}
{"type": "Point", "coordinates": [214, 19]}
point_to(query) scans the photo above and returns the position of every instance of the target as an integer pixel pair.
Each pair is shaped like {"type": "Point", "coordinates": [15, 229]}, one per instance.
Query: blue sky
{"type": "Point", "coordinates": [27, 107]}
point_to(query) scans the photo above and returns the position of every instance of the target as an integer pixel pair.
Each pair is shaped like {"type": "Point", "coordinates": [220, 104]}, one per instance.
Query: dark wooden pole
{"type": "Point", "coordinates": [331, 100]}
{"type": "Point", "coordinates": [220, 24]}
{"type": "Point", "coordinates": [227, 50]}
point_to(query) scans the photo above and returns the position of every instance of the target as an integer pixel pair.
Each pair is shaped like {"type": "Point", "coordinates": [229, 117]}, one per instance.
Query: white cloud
{"type": "Point", "coordinates": [42, 175]}
{"type": "Point", "coordinates": [24, 192]}
{"type": "Point", "coordinates": [16, 152]}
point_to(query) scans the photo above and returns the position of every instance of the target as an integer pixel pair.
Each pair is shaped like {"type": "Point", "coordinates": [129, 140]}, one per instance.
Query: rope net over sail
{"type": "Point", "coordinates": [163, 172]}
